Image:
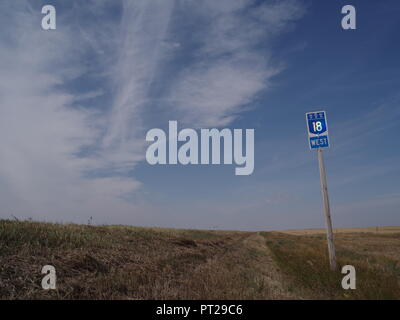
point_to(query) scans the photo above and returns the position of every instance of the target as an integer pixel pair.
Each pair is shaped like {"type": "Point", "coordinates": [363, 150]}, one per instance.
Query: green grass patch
{"type": "Point", "coordinates": [304, 259]}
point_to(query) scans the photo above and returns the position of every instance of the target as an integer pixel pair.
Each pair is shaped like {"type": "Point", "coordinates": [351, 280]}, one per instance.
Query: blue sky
{"type": "Point", "coordinates": [76, 103]}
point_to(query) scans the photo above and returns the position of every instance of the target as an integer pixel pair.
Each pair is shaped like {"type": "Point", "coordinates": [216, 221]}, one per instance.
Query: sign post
{"type": "Point", "coordinates": [318, 139]}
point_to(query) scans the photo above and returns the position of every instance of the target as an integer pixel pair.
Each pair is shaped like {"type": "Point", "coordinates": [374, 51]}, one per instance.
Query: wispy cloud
{"type": "Point", "coordinates": [64, 157]}
{"type": "Point", "coordinates": [41, 127]}
{"type": "Point", "coordinates": [231, 64]}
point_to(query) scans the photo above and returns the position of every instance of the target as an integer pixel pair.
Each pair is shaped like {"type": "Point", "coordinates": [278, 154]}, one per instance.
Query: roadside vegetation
{"type": "Point", "coordinates": [121, 262]}
{"type": "Point", "coordinates": [304, 260]}
{"type": "Point", "coordinates": [118, 262]}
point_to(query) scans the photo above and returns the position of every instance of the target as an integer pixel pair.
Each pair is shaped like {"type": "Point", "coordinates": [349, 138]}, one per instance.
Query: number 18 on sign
{"type": "Point", "coordinates": [317, 130]}
{"type": "Point", "coordinates": [318, 139]}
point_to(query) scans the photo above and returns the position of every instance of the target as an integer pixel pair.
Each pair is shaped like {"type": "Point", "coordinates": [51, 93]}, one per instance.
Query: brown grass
{"type": "Point", "coordinates": [119, 262]}
{"type": "Point", "coordinates": [375, 257]}
{"type": "Point", "coordinates": [133, 263]}
{"type": "Point", "coordinates": [377, 230]}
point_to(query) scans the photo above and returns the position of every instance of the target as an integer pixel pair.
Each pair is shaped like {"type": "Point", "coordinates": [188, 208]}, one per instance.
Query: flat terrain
{"type": "Point", "coordinates": [376, 230]}
{"type": "Point", "coordinates": [119, 262]}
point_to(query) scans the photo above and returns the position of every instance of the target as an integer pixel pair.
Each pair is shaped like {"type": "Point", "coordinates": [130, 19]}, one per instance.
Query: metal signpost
{"type": "Point", "coordinates": [318, 139]}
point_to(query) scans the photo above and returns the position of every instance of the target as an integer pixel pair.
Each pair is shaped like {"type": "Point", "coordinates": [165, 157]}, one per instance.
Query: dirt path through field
{"type": "Point", "coordinates": [242, 269]}
{"type": "Point", "coordinates": [277, 285]}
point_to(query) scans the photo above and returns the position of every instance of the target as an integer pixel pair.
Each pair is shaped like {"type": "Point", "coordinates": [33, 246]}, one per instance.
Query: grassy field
{"type": "Point", "coordinates": [118, 262]}
{"type": "Point", "coordinates": [304, 258]}
{"type": "Point", "coordinates": [376, 230]}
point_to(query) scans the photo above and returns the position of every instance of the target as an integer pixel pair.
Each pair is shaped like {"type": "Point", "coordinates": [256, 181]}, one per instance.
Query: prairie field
{"type": "Point", "coordinates": [123, 262]}
{"type": "Point", "coordinates": [377, 230]}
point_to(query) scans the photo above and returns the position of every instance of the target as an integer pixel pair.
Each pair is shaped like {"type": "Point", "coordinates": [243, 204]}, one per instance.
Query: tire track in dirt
{"type": "Point", "coordinates": [242, 268]}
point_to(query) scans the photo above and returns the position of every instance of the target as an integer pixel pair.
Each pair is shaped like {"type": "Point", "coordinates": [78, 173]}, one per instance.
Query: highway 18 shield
{"type": "Point", "coordinates": [317, 129]}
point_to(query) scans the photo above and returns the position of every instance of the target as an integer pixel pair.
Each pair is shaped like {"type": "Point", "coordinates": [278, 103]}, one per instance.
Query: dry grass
{"type": "Point", "coordinates": [377, 230]}
{"type": "Point", "coordinates": [375, 257]}
{"type": "Point", "coordinates": [133, 263]}
{"type": "Point", "coordinates": [118, 262]}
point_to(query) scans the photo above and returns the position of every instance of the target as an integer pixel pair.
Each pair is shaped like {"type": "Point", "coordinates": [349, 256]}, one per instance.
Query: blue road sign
{"type": "Point", "coordinates": [317, 129]}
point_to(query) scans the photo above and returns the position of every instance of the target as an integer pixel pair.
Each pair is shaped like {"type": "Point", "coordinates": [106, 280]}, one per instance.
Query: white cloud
{"type": "Point", "coordinates": [40, 131]}
{"type": "Point", "coordinates": [143, 27]}
{"type": "Point", "coordinates": [44, 123]}
{"type": "Point", "coordinates": [213, 95]}
{"type": "Point", "coordinates": [232, 64]}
